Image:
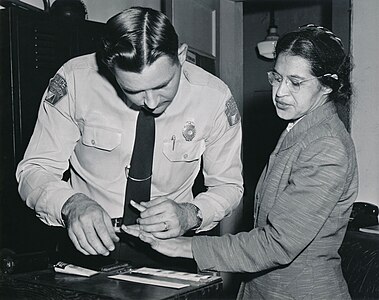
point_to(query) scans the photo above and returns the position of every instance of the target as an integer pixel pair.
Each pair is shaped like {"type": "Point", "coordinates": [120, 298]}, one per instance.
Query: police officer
{"type": "Point", "coordinates": [87, 122]}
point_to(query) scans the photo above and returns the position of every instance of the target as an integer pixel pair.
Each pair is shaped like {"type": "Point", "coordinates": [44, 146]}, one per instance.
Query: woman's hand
{"type": "Point", "coordinates": [176, 247]}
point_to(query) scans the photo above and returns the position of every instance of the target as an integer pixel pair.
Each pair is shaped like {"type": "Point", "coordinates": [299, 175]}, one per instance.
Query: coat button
{"type": "Point", "coordinates": [185, 155]}
{"type": "Point", "coordinates": [93, 142]}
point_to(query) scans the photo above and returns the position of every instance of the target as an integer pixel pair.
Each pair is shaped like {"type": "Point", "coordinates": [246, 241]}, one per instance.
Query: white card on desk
{"type": "Point", "coordinates": [149, 281]}
{"type": "Point", "coordinates": [65, 268]}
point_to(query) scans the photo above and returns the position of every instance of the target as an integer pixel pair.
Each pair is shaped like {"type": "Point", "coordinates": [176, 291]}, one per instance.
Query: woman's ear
{"type": "Point", "coordinates": [182, 53]}
{"type": "Point", "coordinates": [327, 90]}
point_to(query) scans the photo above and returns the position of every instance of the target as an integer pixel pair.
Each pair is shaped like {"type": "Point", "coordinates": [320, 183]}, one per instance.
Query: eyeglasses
{"type": "Point", "coordinates": [275, 79]}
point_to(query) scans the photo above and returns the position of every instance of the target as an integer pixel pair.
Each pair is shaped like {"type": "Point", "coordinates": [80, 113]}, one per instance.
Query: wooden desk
{"type": "Point", "coordinates": [47, 284]}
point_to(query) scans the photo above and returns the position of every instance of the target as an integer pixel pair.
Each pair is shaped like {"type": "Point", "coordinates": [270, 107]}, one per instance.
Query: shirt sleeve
{"type": "Point", "coordinates": [300, 211]}
{"type": "Point", "coordinates": [222, 166]}
{"type": "Point", "coordinates": [47, 156]}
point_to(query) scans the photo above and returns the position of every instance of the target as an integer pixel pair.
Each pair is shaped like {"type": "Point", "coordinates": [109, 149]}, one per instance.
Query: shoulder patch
{"type": "Point", "coordinates": [56, 90]}
{"type": "Point", "coordinates": [231, 111]}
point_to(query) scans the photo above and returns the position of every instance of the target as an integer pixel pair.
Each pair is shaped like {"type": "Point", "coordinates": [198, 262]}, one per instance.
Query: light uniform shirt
{"type": "Point", "coordinates": [84, 122]}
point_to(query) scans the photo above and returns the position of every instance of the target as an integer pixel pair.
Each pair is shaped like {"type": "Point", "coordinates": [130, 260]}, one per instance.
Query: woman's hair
{"type": "Point", "coordinates": [136, 38]}
{"type": "Point", "coordinates": [325, 53]}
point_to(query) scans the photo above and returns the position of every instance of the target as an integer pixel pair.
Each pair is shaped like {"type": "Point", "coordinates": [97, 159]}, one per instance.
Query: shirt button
{"type": "Point", "coordinates": [93, 142]}
{"type": "Point", "coordinates": [185, 155]}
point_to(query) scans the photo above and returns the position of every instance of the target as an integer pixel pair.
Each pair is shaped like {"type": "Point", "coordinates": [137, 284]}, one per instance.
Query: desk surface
{"type": "Point", "coordinates": [47, 284]}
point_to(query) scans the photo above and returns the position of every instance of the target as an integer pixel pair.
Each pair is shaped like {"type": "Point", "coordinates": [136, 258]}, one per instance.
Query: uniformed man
{"type": "Point", "coordinates": [87, 122]}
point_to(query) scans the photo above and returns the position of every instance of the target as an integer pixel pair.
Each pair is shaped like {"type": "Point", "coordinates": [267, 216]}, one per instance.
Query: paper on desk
{"type": "Point", "coordinates": [172, 274]}
{"type": "Point", "coordinates": [149, 281]}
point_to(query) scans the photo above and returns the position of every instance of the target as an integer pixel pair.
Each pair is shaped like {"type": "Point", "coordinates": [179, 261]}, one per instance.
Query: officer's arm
{"type": "Point", "coordinates": [222, 166]}
{"type": "Point", "coordinates": [46, 157]}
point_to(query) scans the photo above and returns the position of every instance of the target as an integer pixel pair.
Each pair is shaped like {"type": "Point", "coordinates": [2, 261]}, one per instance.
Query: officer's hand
{"type": "Point", "coordinates": [165, 218]}
{"type": "Point", "coordinates": [89, 226]}
{"type": "Point", "coordinates": [177, 247]}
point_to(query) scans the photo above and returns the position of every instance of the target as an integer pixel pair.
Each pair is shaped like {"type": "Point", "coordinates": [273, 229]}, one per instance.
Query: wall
{"type": "Point", "coordinates": [102, 10]}
{"type": "Point", "coordinates": [365, 113]}
{"type": "Point", "coordinates": [99, 12]}
{"type": "Point", "coordinates": [36, 3]}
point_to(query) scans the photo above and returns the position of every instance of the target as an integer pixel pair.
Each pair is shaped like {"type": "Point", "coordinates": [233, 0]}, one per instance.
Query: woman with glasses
{"type": "Point", "coordinates": [305, 194]}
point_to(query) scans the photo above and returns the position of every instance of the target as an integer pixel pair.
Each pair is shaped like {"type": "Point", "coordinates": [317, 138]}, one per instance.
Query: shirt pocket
{"type": "Point", "coordinates": [183, 151]}
{"type": "Point", "coordinates": [101, 138]}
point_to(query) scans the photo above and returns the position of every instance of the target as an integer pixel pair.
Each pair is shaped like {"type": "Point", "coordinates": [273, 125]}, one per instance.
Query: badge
{"type": "Point", "coordinates": [231, 111]}
{"type": "Point", "coordinates": [56, 90]}
{"type": "Point", "coordinates": [189, 131]}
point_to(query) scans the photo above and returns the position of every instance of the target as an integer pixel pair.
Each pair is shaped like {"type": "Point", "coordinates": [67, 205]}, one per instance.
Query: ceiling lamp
{"type": "Point", "coordinates": [266, 48]}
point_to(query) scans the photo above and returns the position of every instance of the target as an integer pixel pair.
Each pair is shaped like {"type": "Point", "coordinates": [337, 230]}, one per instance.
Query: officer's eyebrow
{"type": "Point", "coordinates": [162, 85]}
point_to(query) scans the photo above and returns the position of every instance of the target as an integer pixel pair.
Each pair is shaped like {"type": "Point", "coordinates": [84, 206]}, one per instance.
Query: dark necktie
{"type": "Point", "coordinates": [138, 183]}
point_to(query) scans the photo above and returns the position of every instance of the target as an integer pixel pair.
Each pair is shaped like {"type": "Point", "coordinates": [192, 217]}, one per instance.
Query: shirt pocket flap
{"type": "Point", "coordinates": [101, 138]}
{"type": "Point", "coordinates": [183, 150]}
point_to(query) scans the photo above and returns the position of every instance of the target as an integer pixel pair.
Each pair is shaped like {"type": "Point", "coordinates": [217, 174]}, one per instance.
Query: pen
{"type": "Point", "coordinates": [173, 139]}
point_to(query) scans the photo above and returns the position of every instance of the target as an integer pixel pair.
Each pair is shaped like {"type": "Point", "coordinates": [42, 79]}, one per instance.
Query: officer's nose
{"type": "Point", "coordinates": [151, 100]}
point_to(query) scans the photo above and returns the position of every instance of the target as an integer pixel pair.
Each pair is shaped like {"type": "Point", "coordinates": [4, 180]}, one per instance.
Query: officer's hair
{"type": "Point", "coordinates": [136, 38]}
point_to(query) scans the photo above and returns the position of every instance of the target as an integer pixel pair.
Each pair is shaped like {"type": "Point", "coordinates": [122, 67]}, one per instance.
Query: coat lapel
{"type": "Point", "coordinates": [310, 120]}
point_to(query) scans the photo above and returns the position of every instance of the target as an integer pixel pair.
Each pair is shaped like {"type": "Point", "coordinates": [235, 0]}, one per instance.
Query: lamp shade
{"type": "Point", "coordinates": [266, 48]}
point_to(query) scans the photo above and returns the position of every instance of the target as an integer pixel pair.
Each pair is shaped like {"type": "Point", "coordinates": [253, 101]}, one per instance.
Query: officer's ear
{"type": "Point", "coordinates": [182, 53]}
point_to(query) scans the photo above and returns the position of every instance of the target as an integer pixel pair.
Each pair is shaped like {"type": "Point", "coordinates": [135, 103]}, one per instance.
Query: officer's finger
{"type": "Point", "coordinates": [82, 240]}
{"type": "Point", "coordinates": [154, 219]}
{"type": "Point", "coordinates": [154, 202]}
{"type": "Point", "coordinates": [111, 230]}
{"type": "Point", "coordinates": [166, 226]}
{"type": "Point", "coordinates": [94, 240]}
{"type": "Point", "coordinates": [138, 206]}
{"type": "Point", "coordinates": [165, 207]}
{"type": "Point", "coordinates": [154, 227]}
{"type": "Point", "coordinates": [75, 241]}
{"type": "Point", "coordinates": [104, 235]}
